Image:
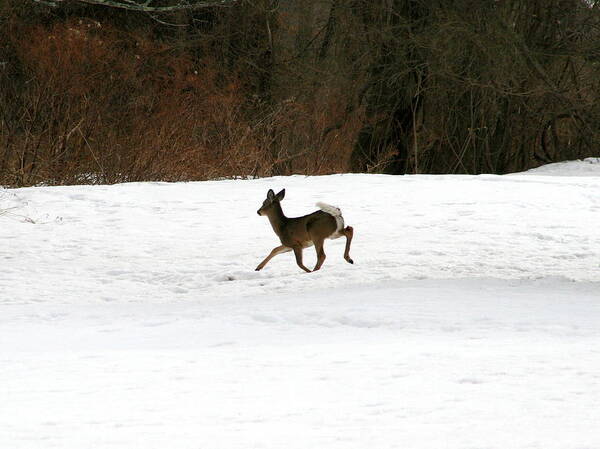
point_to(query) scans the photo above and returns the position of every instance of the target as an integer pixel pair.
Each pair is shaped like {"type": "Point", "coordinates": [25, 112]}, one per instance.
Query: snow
{"type": "Point", "coordinates": [131, 315]}
{"type": "Point", "coordinates": [585, 167]}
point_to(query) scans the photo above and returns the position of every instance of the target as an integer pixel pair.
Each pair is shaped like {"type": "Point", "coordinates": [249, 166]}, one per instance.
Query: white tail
{"type": "Point", "coordinates": [298, 233]}
{"type": "Point", "coordinates": [336, 213]}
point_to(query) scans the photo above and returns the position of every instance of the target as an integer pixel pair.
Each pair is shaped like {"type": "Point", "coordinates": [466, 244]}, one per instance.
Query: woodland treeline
{"type": "Point", "coordinates": [95, 91]}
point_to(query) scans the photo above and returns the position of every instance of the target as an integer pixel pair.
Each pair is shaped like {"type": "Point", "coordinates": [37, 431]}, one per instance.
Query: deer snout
{"type": "Point", "coordinates": [258, 212]}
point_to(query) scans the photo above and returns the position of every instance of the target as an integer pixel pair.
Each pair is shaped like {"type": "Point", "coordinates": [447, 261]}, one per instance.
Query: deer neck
{"type": "Point", "coordinates": [276, 218]}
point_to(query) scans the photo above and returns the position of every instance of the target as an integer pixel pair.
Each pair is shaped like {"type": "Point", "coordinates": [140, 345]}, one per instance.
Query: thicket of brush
{"type": "Point", "coordinates": [266, 87]}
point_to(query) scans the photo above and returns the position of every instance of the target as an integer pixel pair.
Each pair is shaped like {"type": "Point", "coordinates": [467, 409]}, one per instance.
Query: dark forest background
{"type": "Point", "coordinates": [127, 91]}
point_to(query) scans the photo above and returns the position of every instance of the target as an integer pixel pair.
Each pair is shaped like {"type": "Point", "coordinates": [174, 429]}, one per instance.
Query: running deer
{"type": "Point", "coordinates": [301, 232]}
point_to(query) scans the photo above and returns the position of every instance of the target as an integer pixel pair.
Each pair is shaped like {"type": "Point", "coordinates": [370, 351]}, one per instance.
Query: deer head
{"type": "Point", "coordinates": [270, 202]}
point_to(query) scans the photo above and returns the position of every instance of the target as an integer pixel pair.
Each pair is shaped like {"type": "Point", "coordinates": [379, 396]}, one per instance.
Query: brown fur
{"type": "Point", "coordinates": [298, 233]}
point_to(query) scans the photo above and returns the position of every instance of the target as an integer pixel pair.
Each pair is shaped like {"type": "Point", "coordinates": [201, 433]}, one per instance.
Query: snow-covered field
{"type": "Point", "coordinates": [131, 315]}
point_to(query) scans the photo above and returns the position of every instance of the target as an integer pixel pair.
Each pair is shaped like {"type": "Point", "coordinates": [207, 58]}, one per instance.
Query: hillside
{"type": "Point", "coordinates": [131, 315]}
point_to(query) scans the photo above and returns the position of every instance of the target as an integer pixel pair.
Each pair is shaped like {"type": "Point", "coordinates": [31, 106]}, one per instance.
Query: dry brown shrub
{"type": "Point", "coordinates": [100, 105]}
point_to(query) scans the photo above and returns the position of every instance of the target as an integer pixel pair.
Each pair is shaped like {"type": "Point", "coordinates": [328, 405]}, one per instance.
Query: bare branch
{"type": "Point", "coordinates": [146, 5]}
{"type": "Point", "coordinates": [46, 3]}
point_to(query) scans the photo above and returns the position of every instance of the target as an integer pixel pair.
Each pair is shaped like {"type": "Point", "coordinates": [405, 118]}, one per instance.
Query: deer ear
{"type": "Point", "coordinates": [281, 195]}
{"type": "Point", "coordinates": [270, 194]}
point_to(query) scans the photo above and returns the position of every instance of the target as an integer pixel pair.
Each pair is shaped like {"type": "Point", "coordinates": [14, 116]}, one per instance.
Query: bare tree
{"type": "Point", "coordinates": [155, 6]}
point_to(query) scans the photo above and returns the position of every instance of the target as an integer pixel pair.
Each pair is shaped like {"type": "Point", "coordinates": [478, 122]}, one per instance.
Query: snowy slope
{"type": "Point", "coordinates": [159, 242]}
{"type": "Point", "coordinates": [418, 364]}
{"type": "Point", "coordinates": [585, 167]}
{"type": "Point", "coordinates": [131, 315]}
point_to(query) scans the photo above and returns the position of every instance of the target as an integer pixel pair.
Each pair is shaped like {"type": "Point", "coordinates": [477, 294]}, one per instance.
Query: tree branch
{"type": "Point", "coordinates": [146, 5]}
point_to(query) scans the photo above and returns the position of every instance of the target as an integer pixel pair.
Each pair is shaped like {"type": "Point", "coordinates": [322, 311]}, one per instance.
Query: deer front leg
{"type": "Point", "coordinates": [273, 253]}
{"type": "Point", "coordinates": [298, 254]}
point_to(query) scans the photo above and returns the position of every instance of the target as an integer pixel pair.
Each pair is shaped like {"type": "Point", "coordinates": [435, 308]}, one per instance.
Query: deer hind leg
{"type": "Point", "coordinates": [348, 231]}
{"type": "Point", "coordinates": [298, 254]}
{"type": "Point", "coordinates": [320, 253]}
{"type": "Point", "coordinates": [273, 253]}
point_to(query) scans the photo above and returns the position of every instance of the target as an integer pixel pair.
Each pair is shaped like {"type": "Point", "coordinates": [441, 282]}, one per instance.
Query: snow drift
{"type": "Point", "coordinates": [132, 315]}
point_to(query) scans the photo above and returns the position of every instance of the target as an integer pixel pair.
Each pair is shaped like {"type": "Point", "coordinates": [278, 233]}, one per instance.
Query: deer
{"type": "Point", "coordinates": [298, 233]}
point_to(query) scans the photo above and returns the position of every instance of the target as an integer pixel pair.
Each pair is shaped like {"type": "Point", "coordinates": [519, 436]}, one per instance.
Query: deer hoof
{"type": "Point", "coordinates": [350, 261]}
